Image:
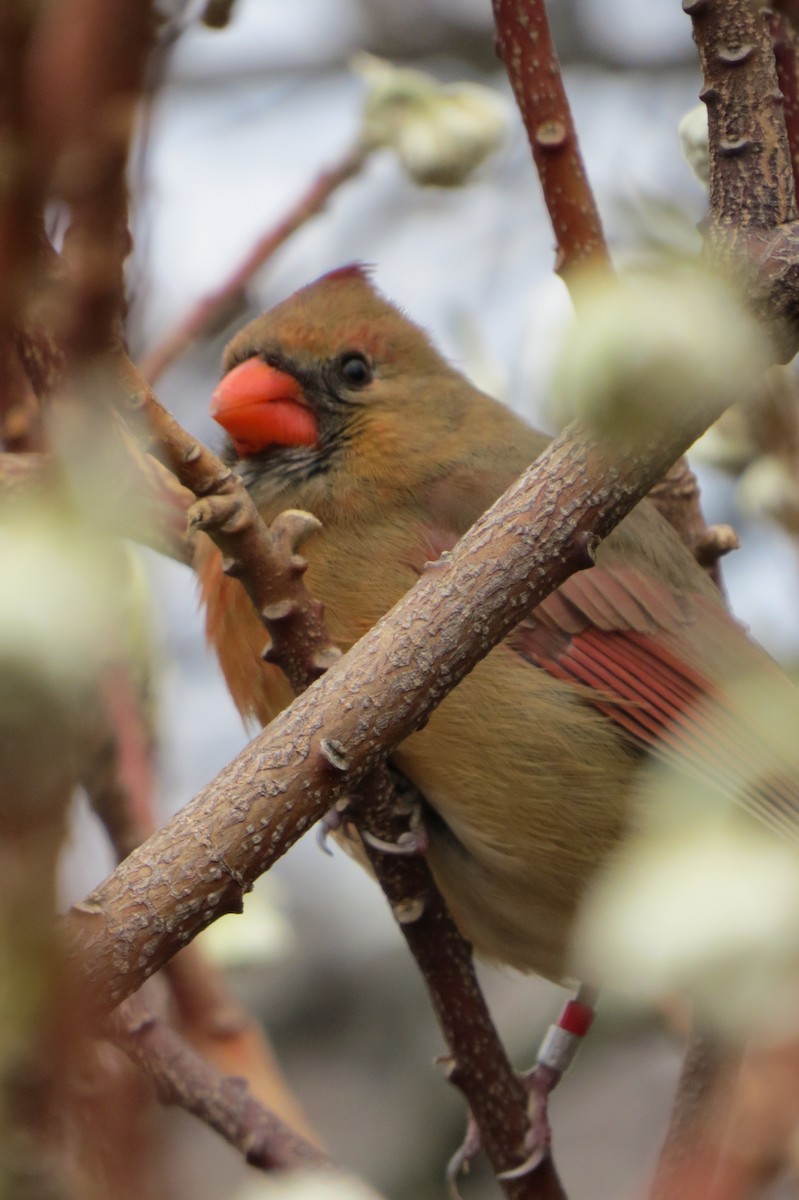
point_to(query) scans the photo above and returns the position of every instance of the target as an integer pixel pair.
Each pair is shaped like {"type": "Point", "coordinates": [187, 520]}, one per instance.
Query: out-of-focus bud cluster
{"type": "Point", "coordinates": [652, 345]}
{"type": "Point", "coordinates": [59, 604]}
{"type": "Point", "coordinates": [704, 902]}
{"type": "Point", "coordinates": [261, 933]}
{"type": "Point", "coordinates": [301, 1185]}
{"type": "Point", "coordinates": [72, 603]}
{"type": "Point", "coordinates": [760, 441]}
{"type": "Point", "coordinates": [441, 133]}
{"type": "Point", "coordinates": [693, 142]}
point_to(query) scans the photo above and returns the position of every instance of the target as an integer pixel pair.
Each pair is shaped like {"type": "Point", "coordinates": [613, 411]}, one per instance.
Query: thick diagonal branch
{"type": "Point", "coordinates": [203, 860]}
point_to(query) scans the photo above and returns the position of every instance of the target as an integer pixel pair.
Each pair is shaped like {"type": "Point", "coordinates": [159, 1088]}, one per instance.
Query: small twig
{"type": "Point", "coordinates": [118, 771]}
{"type": "Point", "coordinates": [225, 510]}
{"type": "Point", "coordinates": [708, 1073]}
{"type": "Point", "coordinates": [215, 1024]}
{"type": "Point", "coordinates": [269, 566]}
{"type": "Point", "coordinates": [677, 497]}
{"type": "Point", "coordinates": [221, 304]}
{"type": "Point", "coordinates": [525, 45]}
{"type": "Point", "coordinates": [477, 1062]}
{"type": "Point", "coordinates": [183, 1078]}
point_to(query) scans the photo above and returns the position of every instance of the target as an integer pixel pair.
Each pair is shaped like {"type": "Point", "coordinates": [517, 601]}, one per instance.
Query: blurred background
{"type": "Point", "coordinates": [245, 119]}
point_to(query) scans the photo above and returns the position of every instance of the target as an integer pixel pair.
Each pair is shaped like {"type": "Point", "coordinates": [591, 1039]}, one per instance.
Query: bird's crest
{"type": "Point", "coordinates": [354, 270]}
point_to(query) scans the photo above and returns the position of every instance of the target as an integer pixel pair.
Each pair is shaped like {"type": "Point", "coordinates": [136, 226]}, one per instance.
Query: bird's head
{"type": "Point", "coordinates": [334, 378]}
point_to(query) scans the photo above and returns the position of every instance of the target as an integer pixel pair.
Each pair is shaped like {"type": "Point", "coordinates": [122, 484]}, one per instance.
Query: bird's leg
{"type": "Point", "coordinates": [555, 1055]}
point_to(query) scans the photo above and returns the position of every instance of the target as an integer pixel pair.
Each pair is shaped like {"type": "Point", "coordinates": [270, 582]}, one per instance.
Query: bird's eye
{"type": "Point", "coordinates": [355, 369]}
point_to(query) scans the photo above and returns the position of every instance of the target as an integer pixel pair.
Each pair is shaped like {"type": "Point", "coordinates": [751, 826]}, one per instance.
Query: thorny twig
{"type": "Point", "coordinates": [525, 45]}
{"type": "Point", "coordinates": [182, 1077]}
{"type": "Point", "coordinates": [215, 1024]}
{"type": "Point", "coordinates": [751, 178]}
{"type": "Point", "coordinates": [477, 1063]}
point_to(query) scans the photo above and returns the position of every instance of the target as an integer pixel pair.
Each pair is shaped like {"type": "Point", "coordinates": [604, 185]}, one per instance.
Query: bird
{"type": "Point", "coordinates": [532, 769]}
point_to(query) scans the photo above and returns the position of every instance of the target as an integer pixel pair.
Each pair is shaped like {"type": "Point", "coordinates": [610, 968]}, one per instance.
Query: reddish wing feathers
{"type": "Point", "coordinates": [601, 629]}
{"type": "Point", "coordinates": [626, 637]}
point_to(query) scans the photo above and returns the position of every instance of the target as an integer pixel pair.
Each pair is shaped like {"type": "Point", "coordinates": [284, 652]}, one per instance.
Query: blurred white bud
{"type": "Point", "coordinates": [60, 603]}
{"type": "Point", "coordinates": [728, 444]}
{"type": "Point", "coordinates": [769, 488]}
{"type": "Point", "coordinates": [709, 910]}
{"type": "Point", "coordinates": [304, 1185]}
{"type": "Point", "coordinates": [259, 934]}
{"type": "Point", "coordinates": [704, 900]}
{"type": "Point", "coordinates": [441, 133]}
{"type": "Point", "coordinates": [694, 142]}
{"type": "Point", "coordinates": [647, 347]}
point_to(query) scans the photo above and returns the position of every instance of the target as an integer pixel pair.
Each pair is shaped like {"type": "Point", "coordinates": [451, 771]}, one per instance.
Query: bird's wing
{"type": "Point", "coordinates": [674, 672]}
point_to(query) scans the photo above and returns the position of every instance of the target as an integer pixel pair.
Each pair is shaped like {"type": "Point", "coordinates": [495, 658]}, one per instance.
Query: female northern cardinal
{"type": "Point", "coordinates": [336, 403]}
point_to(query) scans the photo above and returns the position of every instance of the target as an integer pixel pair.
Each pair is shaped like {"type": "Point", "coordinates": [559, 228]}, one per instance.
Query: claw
{"type": "Point", "coordinates": [539, 1084]}
{"type": "Point", "coordinates": [332, 821]}
{"type": "Point", "coordinates": [412, 842]}
{"type": "Point", "coordinates": [464, 1156]}
{"type": "Point", "coordinates": [530, 1163]}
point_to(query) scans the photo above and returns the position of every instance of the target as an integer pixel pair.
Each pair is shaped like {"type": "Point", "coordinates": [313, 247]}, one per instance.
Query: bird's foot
{"type": "Point", "coordinates": [539, 1083]}
{"type": "Point", "coordinates": [413, 841]}
{"type": "Point", "coordinates": [460, 1163]}
{"type": "Point", "coordinates": [555, 1055]}
{"type": "Point", "coordinates": [558, 1048]}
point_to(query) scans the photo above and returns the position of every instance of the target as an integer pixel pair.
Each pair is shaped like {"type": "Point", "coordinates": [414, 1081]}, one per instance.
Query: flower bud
{"type": "Point", "coordinates": [694, 142]}
{"type": "Point", "coordinates": [441, 133]}
{"type": "Point", "coordinates": [651, 346]}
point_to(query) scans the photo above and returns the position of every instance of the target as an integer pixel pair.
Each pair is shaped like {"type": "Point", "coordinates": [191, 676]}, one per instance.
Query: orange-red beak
{"type": "Point", "coordinates": [260, 406]}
